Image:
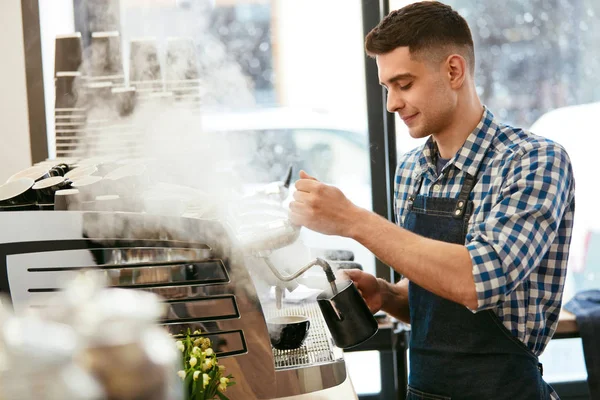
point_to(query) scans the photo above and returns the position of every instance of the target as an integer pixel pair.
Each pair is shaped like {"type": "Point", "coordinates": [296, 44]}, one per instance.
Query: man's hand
{"type": "Point", "coordinates": [367, 284]}
{"type": "Point", "coordinates": [321, 207]}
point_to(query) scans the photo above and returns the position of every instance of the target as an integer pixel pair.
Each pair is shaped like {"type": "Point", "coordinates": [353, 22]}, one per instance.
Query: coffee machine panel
{"type": "Point", "coordinates": [192, 264]}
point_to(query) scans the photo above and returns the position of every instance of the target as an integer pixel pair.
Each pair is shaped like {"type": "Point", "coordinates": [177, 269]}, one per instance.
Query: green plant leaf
{"type": "Point", "coordinates": [194, 385]}
{"type": "Point", "coordinates": [188, 379]}
{"type": "Point", "coordinates": [222, 396]}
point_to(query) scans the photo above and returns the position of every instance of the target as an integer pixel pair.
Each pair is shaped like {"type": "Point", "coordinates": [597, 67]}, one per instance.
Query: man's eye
{"type": "Point", "coordinates": [406, 87]}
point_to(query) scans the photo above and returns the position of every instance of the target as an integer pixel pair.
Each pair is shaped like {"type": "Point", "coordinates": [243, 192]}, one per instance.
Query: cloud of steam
{"type": "Point", "coordinates": [151, 102]}
{"type": "Point", "coordinates": [158, 116]}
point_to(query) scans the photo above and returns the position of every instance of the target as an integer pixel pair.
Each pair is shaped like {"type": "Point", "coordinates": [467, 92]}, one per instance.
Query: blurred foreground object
{"type": "Point", "coordinates": [89, 342]}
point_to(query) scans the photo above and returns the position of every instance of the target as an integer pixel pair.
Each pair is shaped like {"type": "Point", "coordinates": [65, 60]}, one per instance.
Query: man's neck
{"type": "Point", "coordinates": [467, 116]}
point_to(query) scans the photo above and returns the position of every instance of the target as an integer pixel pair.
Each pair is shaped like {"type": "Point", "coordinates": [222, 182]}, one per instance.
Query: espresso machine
{"type": "Point", "coordinates": [194, 263]}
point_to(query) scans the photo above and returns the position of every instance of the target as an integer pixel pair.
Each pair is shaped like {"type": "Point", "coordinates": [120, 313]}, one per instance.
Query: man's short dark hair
{"type": "Point", "coordinates": [430, 29]}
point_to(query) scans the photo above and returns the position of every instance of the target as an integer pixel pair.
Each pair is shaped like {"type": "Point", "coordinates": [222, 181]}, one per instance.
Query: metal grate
{"type": "Point", "coordinates": [318, 346]}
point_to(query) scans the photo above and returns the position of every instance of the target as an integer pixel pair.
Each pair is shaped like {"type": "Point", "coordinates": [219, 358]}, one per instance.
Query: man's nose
{"type": "Point", "coordinates": [395, 102]}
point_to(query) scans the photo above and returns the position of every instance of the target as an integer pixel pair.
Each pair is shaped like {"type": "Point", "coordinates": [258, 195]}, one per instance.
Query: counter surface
{"type": "Point", "coordinates": [567, 325]}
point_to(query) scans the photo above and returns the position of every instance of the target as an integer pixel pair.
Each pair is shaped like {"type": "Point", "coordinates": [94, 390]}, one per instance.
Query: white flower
{"type": "Point", "coordinates": [223, 384]}
{"type": "Point", "coordinates": [209, 352]}
{"type": "Point", "coordinates": [193, 361]}
{"type": "Point", "coordinates": [181, 374]}
{"type": "Point", "coordinates": [196, 375]}
{"type": "Point", "coordinates": [207, 364]}
{"type": "Point", "coordinates": [180, 345]}
{"type": "Point", "coordinates": [205, 379]}
{"type": "Point", "coordinates": [196, 351]}
{"type": "Point", "coordinates": [221, 368]}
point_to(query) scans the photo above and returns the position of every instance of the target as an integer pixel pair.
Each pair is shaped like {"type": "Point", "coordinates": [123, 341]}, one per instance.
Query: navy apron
{"type": "Point", "coordinates": [454, 353]}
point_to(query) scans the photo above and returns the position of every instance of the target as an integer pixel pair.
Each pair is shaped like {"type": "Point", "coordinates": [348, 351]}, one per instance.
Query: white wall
{"type": "Point", "coordinates": [15, 153]}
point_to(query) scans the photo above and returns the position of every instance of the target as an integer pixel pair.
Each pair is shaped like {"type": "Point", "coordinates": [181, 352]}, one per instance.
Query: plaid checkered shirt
{"type": "Point", "coordinates": [519, 234]}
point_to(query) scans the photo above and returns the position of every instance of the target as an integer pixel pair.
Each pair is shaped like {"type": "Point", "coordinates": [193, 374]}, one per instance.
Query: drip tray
{"type": "Point", "coordinates": [318, 347]}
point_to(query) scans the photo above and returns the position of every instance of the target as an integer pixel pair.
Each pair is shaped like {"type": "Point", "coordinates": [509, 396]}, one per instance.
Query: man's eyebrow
{"type": "Point", "coordinates": [398, 77]}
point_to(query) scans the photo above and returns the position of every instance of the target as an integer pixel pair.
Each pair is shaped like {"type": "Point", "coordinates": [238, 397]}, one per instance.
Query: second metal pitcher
{"type": "Point", "coordinates": [347, 315]}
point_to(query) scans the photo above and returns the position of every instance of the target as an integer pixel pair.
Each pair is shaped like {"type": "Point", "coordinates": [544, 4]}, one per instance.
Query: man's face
{"type": "Point", "coordinates": [418, 90]}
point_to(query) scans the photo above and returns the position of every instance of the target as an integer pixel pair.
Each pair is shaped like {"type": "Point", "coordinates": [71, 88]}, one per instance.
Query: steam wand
{"type": "Point", "coordinates": [318, 261]}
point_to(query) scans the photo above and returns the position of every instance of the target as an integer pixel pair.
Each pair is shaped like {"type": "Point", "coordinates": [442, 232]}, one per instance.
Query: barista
{"type": "Point", "coordinates": [484, 213]}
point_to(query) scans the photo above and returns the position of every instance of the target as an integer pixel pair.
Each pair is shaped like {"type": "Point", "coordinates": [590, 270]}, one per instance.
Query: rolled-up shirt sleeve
{"type": "Point", "coordinates": [523, 223]}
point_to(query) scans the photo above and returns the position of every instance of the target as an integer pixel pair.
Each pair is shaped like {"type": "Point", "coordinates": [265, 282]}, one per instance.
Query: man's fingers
{"type": "Point", "coordinates": [307, 185]}
{"type": "Point", "coordinates": [298, 207]}
{"type": "Point", "coordinates": [302, 197]}
{"type": "Point", "coordinates": [353, 274]}
{"type": "Point", "coordinates": [304, 175]}
{"type": "Point", "coordinates": [297, 218]}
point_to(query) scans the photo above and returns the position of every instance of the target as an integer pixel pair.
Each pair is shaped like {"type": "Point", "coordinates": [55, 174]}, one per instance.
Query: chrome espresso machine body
{"type": "Point", "coordinates": [192, 265]}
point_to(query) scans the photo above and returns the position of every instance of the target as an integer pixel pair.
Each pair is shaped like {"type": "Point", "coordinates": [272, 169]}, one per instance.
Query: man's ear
{"type": "Point", "coordinates": [456, 67]}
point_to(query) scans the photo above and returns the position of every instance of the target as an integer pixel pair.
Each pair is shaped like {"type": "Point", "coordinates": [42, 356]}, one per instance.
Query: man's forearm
{"type": "Point", "coordinates": [442, 268]}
